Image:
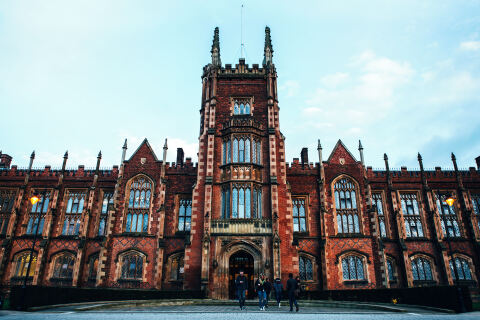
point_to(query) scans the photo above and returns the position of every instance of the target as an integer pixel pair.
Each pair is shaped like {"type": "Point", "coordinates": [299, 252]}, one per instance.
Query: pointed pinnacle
{"type": "Point", "coordinates": [65, 156]}
{"type": "Point", "coordinates": [165, 146]}
{"type": "Point", "coordinates": [268, 38]}
{"type": "Point", "coordinates": [32, 156]}
{"type": "Point", "coordinates": [319, 146]}
{"type": "Point", "coordinates": [100, 155]}
{"type": "Point", "coordinates": [419, 157]}
{"type": "Point", "coordinates": [453, 157]}
{"type": "Point", "coordinates": [125, 144]}
{"type": "Point", "coordinates": [360, 147]}
{"type": "Point", "coordinates": [385, 157]}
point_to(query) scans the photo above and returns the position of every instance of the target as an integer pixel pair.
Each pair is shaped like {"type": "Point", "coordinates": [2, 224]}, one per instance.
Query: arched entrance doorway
{"type": "Point", "coordinates": [241, 260]}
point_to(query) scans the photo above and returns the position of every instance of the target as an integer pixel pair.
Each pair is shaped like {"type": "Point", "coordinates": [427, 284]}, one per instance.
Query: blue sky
{"type": "Point", "coordinates": [402, 76]}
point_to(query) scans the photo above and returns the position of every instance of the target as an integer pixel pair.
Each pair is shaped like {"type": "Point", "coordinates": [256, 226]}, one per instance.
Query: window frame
{"type": "Point", "coordinates": [34, 214]}
{"type": "Point", "coordinates": [178, 201]}
{"type": "Point", "coordinates": [6, 208]}
{"type": "Point", "coordinates": [121, 260]}
{"type": "Point", "coordinates": [342, 215]}
{"type": "Point", "coordinates": [231, 149]}
{"type": "Point", "coordinates": [227, 198]}
{"type": "Point", "coordinates": [310, 259]}
{"type": "Point", "coordinates": [137, 210]}
{"type": "Point", "coordinates": [452, 216]}
{"type": "Point", "coordinates": [412, 217]}
{"type": "Point", "coordinates": [431, 263]}
{"type": "Point", "coordinates": [381, 217]}
{"type": "Point", "coordinates": [103, 216]}
{"type": "Point", "coordinates": [237, 101]}
{"type": "Point", "coordinates": [73, 216]}
{"type": "Point", "coordinates": [57, 274]}
{"type": "Point", "coordinates": [357, 257]}
{"type": "Point", "coordinates": [22, 266]}
{"type": "Point", "coordinates": [306, 219]}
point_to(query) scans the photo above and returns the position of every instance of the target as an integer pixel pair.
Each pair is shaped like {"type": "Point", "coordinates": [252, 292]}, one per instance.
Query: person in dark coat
{"type": "Point", "coordinates": [268, 288]}
{"type": "Point", "coordinates": [292, 286]}
{"type": "Point", "coordinates": [260, 289]}
{"type": "Point", "coordinates": [241, 284]}
{"type": "Point", "coordinates": [278, 287]}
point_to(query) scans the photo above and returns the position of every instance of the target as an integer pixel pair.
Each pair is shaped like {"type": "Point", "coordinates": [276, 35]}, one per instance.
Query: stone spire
{"type": "Point", "coordinates": [268, 51]}
{"type": "Point", "coordinates": [124, 151]}
{"type": "Point", "coordinates": [360, 148]}
{"type": "Point", "coordinates": [319, 149]}
{"type": "Point", "coordinates": [216, 61]}
{"type": "Point", "coordinates": [65, 158]}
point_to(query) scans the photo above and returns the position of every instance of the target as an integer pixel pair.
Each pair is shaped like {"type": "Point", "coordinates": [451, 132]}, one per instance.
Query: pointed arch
{"type": "Point", "coordinates": [346, 193]}
{"type": "Point", "coordinates": [139, 192]}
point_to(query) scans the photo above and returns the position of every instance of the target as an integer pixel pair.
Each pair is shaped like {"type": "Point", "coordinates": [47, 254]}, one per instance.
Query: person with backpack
{"type": "Point", "coordinates": [278, 287]}
{"type": "Point", "coordinates": [241, 284]}
{"type": "Point", "coordinates": [292, 286]}
{"type": "Point", "coordinates": [260, 289]}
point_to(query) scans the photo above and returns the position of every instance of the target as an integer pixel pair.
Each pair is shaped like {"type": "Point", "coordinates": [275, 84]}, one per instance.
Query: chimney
{"type": "Point", "coordinates": [304, 156]}
{"type": "Point", "coordinates": [5, 160]}
{"type": "Point", "coordinates": [477, 159]}
{"type": "Point", "coordinates": [180, 156]}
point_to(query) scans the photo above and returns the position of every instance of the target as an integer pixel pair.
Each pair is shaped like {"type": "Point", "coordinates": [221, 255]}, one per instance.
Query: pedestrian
{"type": "Point", "coordinates": [260, 288]}
{"type": "Point", "coordinates": [241, 284]}
{"type": "Point", "coordinates": [299, 288]}
{"type": "Point", "coordinates": [268, 289]}
{"type": "Point", "coordinates": [291, 287]}
{"type": "Point", "coordinates": [278, 287]}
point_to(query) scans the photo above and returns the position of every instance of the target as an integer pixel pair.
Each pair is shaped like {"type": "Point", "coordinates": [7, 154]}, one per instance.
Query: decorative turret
{"type": "Point", "coordinates": [99, 157]}
{"type": "Point", "coordinates": [360, 148]}
{"type": "Point", "coordinates": [124, 151]}
{"type": "Point", "coordinates": [216, 61]}
{"type": "Point", "coordinates": [319, 149]}
{"type": "Point", "coordinates": [268, 51]}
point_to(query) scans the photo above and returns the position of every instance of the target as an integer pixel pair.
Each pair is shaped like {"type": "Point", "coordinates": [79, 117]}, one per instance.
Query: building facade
{"type": "Point", "coordinates": [182, 226]}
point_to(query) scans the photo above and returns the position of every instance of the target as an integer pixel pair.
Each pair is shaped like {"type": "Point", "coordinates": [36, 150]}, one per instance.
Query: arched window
{"type": "Point", "coordinates": [63, 266]}
{"type": "Point", "coordinates": [184, 214]}
{"type": "Point", "coordinates": [241, 205]}
{"type": "Point", "coordinates": [257, 203]}
{"type": "Point", "coordinates": [176, 268]}
{"type": "Point", "coordinates": [411, 215]}
{"type": "Point", "coordinates": [476, 208]}
{"type": "Point", "coordinates": [305, 269]}
{"type": "Point", "coordinates": [7, 198]}
{"type": "Point", "coordinates": [346, 206]}
{"type": "Point", "coordinates": [390, 270]}
{"type": "Point", "coordinates": [462, 269]}
{"type": "Point", "coordinates": [22, 262]}
{"type": "Point", "coordinates": [93, 267]}
{"type": "Point", "coordinates": [241, 106]}
{"type": "Point", "coordinates": [352, 267]}
{"type": "Point", "coordinates": [37, 214]}
{"type": "Point", "coordinates": [241, 201]}
{"type": "Point", "coordinates": [107, 205]}
{"type": "Point", "coordinates": [73, 212]}
{"type": "Point", "coordinates": [132, 266]}
{"type": "Point", "coordinates": [448, 216]}
{"type": "Point", "coordinates": [139, 205]}
{"type": "Point", "coordinates": [422, 269]}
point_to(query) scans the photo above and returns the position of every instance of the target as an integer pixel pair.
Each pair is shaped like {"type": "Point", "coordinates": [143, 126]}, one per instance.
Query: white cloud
{"type": "Point", "coordinates": [334, 80]}
{"type": "Point", "coordinates": [291, 87]}
{"type": "Point", "coordinates": [470, 45]}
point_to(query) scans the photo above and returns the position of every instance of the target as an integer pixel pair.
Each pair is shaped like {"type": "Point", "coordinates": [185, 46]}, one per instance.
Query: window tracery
{"type": "Point", "coordinates": [346, 206]}
{"type": "Point", "coordinates": [448, 216]}
{"type": "Point", "coordinates": [411, 215]}
{"type": "Point", "coordinates": [139, 205]}
{"type": "Point", "coordinates": [299, 214]}
{"type": "Point", "coordinates": [422, 269]}
{"type": "Point", "coordinates": [132, 266]}
{"type": "Point", "coordinates": [63, 266]}
{"type": "Point", "coordinates": [352, 267]}
{"type": "Point", "coordinates": [36, 218]}
{"type": "Point", "coordinates": [22, 262]}
{"type": "Point", "coordinates": [7, 199]}
{"type": "Point", "coordinates": [305, 269]}
{"type": "Point", "coordinates": [73, 212]}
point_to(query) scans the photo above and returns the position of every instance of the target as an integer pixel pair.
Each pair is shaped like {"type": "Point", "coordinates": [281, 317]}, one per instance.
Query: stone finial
{"type": "Point", "coordinates": [125, 144]}
{"type": "Point", "coordinates": [99, 157]}
{"type": "Point", "coordinates": [165, 148]}
{"type": "Point", "coordinates": [319, 149]}
{"type": "Point", "coordinates": [319, 146]}
{"type": "Point", "coordinates": [268, 51]}
{"type": "Point", "coordinates": [385, 157]}
{"type": "Point", "coordinates": [32, 156]}
{"type": "Point", "coordinates": [360, 148]}
{"type": "Point", "coordinates": [64, 164]}
{"type": "Point", "coordinates": [124, 151]}
{"type": "Point", "coordinates": [65, 156]}
{"type": "Point", "coordinates": [453, 157]}
{"type": "Point", "coordinates": [216, 61]}
{"type": "Point", "coordinates": [419, 157]}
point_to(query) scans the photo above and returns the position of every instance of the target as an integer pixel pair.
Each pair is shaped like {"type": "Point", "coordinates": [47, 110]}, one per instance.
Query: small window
{"type": "Point", "coordinates": [241, 107]}
{"type": "Point", "coordinates": [305, 269]}
{"type": "Point", "coordinates": [93, 267]}
{"type": "Point", "coordinates": [378, 203]}
{"type": "Point", "coordinates": [461, 268]}
{"type": "Point", "coordinates": [132, 267]}
{"type": "Point", "coordinates": [390, 270]}
{"type": "Point", "coordinates": [63, 267]}
{"type": "Point", "coordinates": [184, 214]}
{"type": "Point", "coordinates": [22, 265]}
{"type": "Point", "coordinates": [422, 270]}
{"type": "Point", "coordinates": [299, 214]}
{"type": "Point", "coordinates": [352, 267]}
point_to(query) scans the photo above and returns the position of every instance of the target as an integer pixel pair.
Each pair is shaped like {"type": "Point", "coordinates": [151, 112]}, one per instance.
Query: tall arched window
{"type": "Point", "coordinates": [93, 267]}
{"type": "Point", "coordinates": [184, 214]}
{"type": "Point", "coordinates": [73, 212]}
{"type": "Point", "coordinates": [63, 266]}
{"type": "Point", "coordinates": [422, 269]}
{"type": "Point", "coordinates": [390, 270]}
{"type": "Point", "coordinates": [107, 205]}
{"type": "Point", "coordinates": [132, 266]}
{"type": "Point", "coordinates": [241, 149]}
{"type": "Point", "coordinates": [476, 208]}
{"type": "Point", "coordinates": [139, 205]}
{"type": "Point", "coordinates": [346, 206]}
{"type": "Point", "coordinates": [22, 261]}
{"type": "Point", "coordinates": [411, 215]}
{"type": "Point", "coordinates": [241, 201]}
{"type": "Point", "coordinates": [352, 268]}
{"type": "Point", "coordinates": [305, 269]}
{"type": "Point", "coordinates": [378, 203]}
{"type": "Point", "coordinates": [7, 198]}
{"type": "Point", "coordinates": [37, 214]}
{"type": "Point", "coordinates": [299, 214]}
{"type": "Point", "coordinates": [462, 269]}
{"type": "Point", "coordinates": [448, 216]}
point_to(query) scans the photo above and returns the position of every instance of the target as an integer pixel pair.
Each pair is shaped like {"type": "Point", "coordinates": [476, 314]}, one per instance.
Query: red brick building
{"type": "Point", "coordinates": [179, 226]}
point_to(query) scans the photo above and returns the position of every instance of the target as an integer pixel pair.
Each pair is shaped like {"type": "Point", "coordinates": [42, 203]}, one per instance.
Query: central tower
{"type": "Point", "coordinates": [241, 205]}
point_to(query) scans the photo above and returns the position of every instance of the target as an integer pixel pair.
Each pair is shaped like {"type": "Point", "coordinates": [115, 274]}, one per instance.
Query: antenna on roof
{"type": "Point", "coordinates": [241, 32]}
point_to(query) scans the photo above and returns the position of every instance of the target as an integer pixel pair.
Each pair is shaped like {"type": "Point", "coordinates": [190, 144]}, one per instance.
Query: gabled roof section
{"type": "Point", "coordinates": [340, 151]}
{"type": "Point", "coordinates": [144, 149]}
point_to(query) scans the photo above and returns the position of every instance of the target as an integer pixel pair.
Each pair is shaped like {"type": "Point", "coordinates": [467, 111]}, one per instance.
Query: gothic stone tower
{"type": "Point", "coordinates": [241, 204]}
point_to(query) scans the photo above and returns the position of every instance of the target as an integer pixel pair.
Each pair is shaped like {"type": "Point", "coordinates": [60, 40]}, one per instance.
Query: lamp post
{"type": "Point", "coordinates": [450, 200]}
{"type": "Point", "coordinates": [33, 200]}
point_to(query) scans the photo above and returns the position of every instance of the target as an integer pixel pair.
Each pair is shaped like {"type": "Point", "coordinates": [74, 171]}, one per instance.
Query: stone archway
{"type": "Point", "coordinates": [240, 261]}
{"type": "Point", "coordinates": [221, 276]}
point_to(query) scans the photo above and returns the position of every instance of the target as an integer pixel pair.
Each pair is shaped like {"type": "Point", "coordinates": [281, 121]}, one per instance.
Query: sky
{"type": "Point", "coordinates": [402, 76]}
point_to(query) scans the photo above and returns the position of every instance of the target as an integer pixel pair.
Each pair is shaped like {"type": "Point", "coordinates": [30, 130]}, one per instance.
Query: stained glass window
{"type": "Point", "coordinates": [352, 267]}
{"type": "Point", "coordinates": [139, 205]}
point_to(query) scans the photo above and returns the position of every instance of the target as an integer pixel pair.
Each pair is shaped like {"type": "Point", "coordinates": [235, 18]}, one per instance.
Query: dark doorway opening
{"type": "Point", "coordinates": [241, 260]}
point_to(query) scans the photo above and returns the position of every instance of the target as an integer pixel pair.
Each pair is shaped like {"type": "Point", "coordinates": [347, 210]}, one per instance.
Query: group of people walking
{"type": "Point", "coordinates": [263, 288]}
